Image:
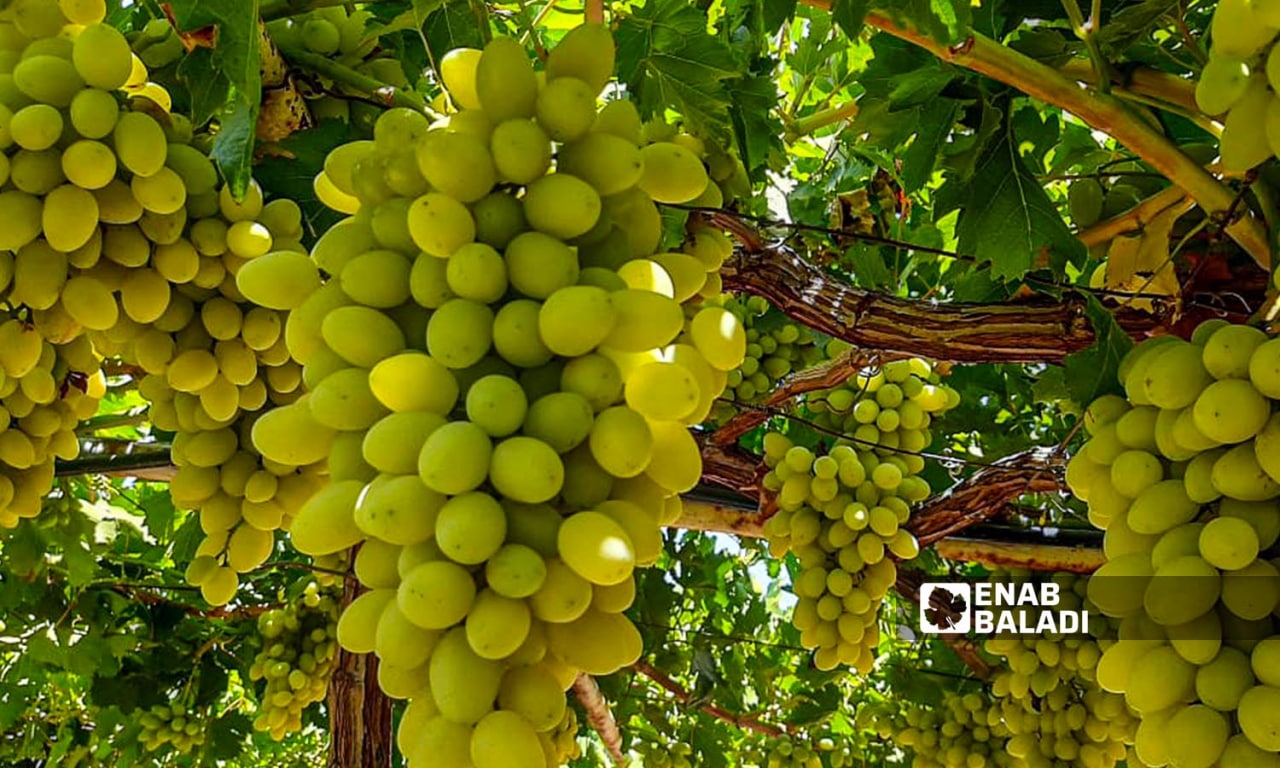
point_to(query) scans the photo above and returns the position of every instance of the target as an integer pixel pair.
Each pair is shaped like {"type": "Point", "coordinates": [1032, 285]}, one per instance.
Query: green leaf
{"type": "Point", "coordinates": [946, 21]}
{"type": "Point", "coordinates": [758, 130]}
{"type": "Point", "coordinates": [236, 54]}
{"type": "Point", "coordinates": [849, 15]}
{"type": "Point", "coordinates": [1007, 219]}
{"type": "Point", "coordinates": [1095, 371]}
{"type": "Point", "coordinates": [867, 263]}
{"type": "Point", "coordinates": [207, 84]}
{"type": "Point", "coordinates": [776, 13]}
{"type": "Point", "coordinates": [667, 59]}
{"type": "Point", "coordinates": [1133, 23]}
{"type": "Point", "coordinates": [233, 148]}
{"type": "Point", "coordinates": [935, 120]}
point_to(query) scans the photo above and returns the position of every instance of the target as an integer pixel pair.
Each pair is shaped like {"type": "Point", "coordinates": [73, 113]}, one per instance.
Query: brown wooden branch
{"type": "Point", "coordinates": [1035, 331]}
{"type": "Point", "coordinates": [986, 492]}
{"type": "Point", "coordinates": [1035, 557]}
{"type": "Point", "coordinates": [731, 467]}
{"type": "Point", "coordinates": [664, 681]}
{"type": "Point", "coordinates": [599, 715]}
{"type": "Point", "coordinates": [360, 734]}
{"type": "Point", "coordinates": [831, 373]}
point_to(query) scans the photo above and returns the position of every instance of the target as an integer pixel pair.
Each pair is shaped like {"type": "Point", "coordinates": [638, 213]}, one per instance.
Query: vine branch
{"type": "Point", "coordinates": [1035, 331]}
{"type": "Point", "coordinates": [831, 373]}
{"type": "Point", "coordinates": [599, 715]}
{"type": "Point", "coordinates": [664, 681]}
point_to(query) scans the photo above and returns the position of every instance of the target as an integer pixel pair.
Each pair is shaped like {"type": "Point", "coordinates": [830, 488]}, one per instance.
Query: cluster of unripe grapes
{"type": "Point", "coordinates": [297, 656]}
{"type": "Point", "coordinates": [1183, 474]}
{"type": "Point", "coordinates": [125, 245]}
{"type": "Point", "coordinates": [341, 34]}
{"type": "Point", "coordinates": [887, 411]}
{"type": "Point", "coordinates": [657, 755]}
{"type": "Point", "coordinates": [965, 731]}
{"type": "Point", "coordinates": [499, 374]}
{"type": "Point", "coordinates": [175, 725]}
{"type": "Point", "coordinates": [1056, 712]}
{"type": "Point", "coordinates": [1241, 80]}
{"type": "Point", "coordinates": [843, 513]}
{"type": "Point", "coordinates": [772, 353]}
{"type": "Point", "coordinates": [793, 751]}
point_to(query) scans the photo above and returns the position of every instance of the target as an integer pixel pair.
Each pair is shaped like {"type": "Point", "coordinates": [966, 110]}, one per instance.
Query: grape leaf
{"type": "Point", "coordinates": [849, 15]}
{"type": "Point", "coordinates": [933, 126]}
{"type": "Point", "coordinates": [233, 148]}
{"type": "Point", "coordinates": [1093, 372]}
{"type": "Point", "coordinates": [1132, 23]}
{"type": "Point", "coordinates": [946, 21]}
{"type": "Point", "coordinates": [667, 59]}
{"type": "Point", "coordinates": [206, 83]}
{"type": "Point", "coordinates": [1007, 219]}
{"type": "Point", "coordinates": [757, 129]}
{"type": "Point", "coordinates": [236, 54]}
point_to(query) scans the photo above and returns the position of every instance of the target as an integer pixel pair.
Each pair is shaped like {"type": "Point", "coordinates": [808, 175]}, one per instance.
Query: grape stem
{"type": "Point", "coordinates": [664, 681]}
{"type": "Point", "coordinates": [594, 12]}
{"type": "Point", "coordinates": [810, 124]}
{"type": "Point", "coordinates": [1086, 30]}
{"type": "Point", "coordinates": [380, 92]}
{"type": "Point", "coordinates": [1098, 110]}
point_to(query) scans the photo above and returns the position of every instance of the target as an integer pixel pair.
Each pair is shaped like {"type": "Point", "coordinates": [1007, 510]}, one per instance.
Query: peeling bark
{"type": "Point", "coordinates": [599, 715]}
{"type": "Point", "coordinates": [1035, 331]}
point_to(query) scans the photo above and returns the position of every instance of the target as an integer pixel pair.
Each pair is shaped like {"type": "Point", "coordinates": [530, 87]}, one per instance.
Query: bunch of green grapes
{"type": "Point", "coordinates": [841, 526]}
{"type": "Point", "coordinates": [794, 751]}
{"type": "Point", "coordinates": [175, 725]}
{"type": "Point", "coordinates": [500, 376]}
{"type": "Point", "coordinates": [1240, 82]}
{"type": "Point", "coordinates": [724, 167]}
{"type": "Point", "coordinates": [1183, 474]}
{"type": "Point", "coordinates": [125, 245]}
{"type": "Point", "coordinates": [888, 410]}
{"type": "Point", "coordinates": [771, 354]}
{"type": "Point", "coordinates": [344, 36]}
{"type": "Point", "coordinates": [1054, 708]}
{"type": "Point", "coordinates": [45, 391]}
{"type": "Point", "coordinates": [656, 755]}
{"type": "Point", "coordinates": [842, 514]}
{"type": "Point", "coordinates": [966, 731]}
{"type": "Point", "coordinates": [298, 654]}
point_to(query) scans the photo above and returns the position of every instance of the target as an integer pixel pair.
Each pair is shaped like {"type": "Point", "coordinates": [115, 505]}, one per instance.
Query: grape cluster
{"type": "Point", "coordinates": [177, 725]}
{"type": "Point", "coordinates": [298, 653]}
{"type": "Point", "coordinates": [125, 245]}
{"type": "Point", "coordinates": [842, 514]}
{"type": "Point", "coordinates": [500, 376]}
{"type": "Point", "coordinates": [1183, 474]}
{"type": "Point", "coordinates": [1056, 713]}
{"type": "Point", "coordinates": [772, 353]}
{"type": "Point", "coordinates": [657, 755]}
{"type": "Point", "coordinates": [966, 731]}
{"type": "Point", "coordinates": [343, 35]}
{"type": "Point", "coordinates": [888, 410]}
{"type": "Point", "coordinates": [1241, 80]}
